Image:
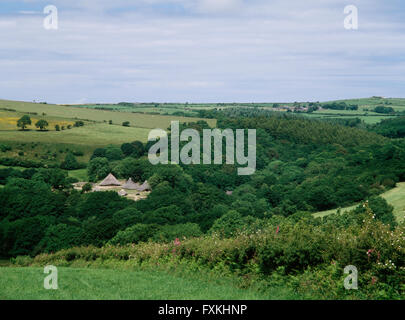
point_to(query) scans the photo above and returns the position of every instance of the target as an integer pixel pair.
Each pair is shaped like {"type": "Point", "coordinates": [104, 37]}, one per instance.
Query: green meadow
{"type": "Point", "coordinates": [96, 132]}
{"type": "Point", "coordinates": [119, 284]}
{"type": "Point", "coordinates": [138, 120]}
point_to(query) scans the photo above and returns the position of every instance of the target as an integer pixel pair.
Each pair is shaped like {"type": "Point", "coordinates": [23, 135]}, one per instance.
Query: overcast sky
{"type": "Point", "coordinates": [201, 51]}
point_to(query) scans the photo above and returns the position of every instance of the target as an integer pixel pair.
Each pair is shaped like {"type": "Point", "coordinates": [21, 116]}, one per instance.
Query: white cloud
{"type": "Point", "coordinates": [235, 51]}
{"type": "Point", "coordinates": [219, 6]}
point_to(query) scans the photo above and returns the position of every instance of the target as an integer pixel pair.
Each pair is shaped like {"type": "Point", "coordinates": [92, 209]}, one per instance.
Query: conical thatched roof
{"type": "Point", "coordinates": [130, 185]}
{"type": "Point", "coordinates": [122, 193]}
{"type": "Point", "coordinates": [145, 186]}
{"type": "Point", "coordinates": [110, 180]}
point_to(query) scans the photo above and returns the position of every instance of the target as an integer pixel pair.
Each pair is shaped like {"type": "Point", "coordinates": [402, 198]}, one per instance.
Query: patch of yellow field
{"type": "Point", "coordinates": [10, 122]}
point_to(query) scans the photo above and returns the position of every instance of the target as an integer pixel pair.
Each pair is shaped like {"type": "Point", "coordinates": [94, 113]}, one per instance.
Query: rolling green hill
{"type": "Point", "coordinates": [137, 120]}
{"type": "Point", "coordinates": [96, 132]}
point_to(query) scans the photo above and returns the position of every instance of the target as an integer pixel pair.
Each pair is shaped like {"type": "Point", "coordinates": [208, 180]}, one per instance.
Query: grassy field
{"type": "Point", "coordinates": [137, 120]}
{"type": "Point", "coordinates": [97, 132]}
{"type": "Point", "coordinates": [45, 151]}
{"type": "Point", "coordinates": [368, 119]}
{"type": "Point", "coordinates": [53, 145]}
{"type": "Point", "coordinates": [395, 197]}
{"type": "Point", "coordinates": [80, 174]}
{"type": "Point", "coordinates": [90, 284]}
{"type": "Point", "coordinates": [16, 168]}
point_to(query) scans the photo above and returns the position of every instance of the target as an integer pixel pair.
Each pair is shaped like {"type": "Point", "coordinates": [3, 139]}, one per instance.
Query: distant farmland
{"type": "Point", "coordinates": [96, 132]}
{"type": "Point", "coordinates": [137, 120]}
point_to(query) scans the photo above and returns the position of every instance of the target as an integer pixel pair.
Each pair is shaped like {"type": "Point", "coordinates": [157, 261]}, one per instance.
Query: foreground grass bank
{"type": "Point", "coordinates": [120, 284]}
{"type": "Point", "coordinates": [302, 259]}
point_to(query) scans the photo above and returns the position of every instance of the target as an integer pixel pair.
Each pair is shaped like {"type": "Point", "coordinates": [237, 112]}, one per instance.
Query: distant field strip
{"type": "Point", "coordinates": [96, 130]}
{"type": "Point", "coordinates": [91, 134]}
{"type": "Point", "coordinates": [395, 197]}
{"type": "Point", "coordinates": [136, 119]}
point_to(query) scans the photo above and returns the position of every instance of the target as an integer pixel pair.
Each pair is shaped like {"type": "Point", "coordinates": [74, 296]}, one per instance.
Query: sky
{"type": "Point", "coordinates": [107, 51]}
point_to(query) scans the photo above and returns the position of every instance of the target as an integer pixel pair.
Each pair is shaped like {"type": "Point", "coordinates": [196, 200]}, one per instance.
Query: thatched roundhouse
{"type": "Point", "coordinates": [130, 185]}
{"type": "Point", "coordinates": [110, 180]}
{"type": "Point", "coordinates": [145, 187]}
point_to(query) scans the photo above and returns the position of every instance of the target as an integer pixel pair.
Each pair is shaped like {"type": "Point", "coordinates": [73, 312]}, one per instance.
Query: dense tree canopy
{"type": "Point", "coordinates": [303, 166]}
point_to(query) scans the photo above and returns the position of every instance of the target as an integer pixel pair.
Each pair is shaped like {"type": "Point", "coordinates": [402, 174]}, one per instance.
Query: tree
{"type": "Point", "coordinates": [70, 162]}
{"type": "Point", "coordinates": [57, 127]}
{"type": "Point", "coordinates": [135, 234]}
{"type": "Point", "coordinates": [127, 149]}
{"type": "Point", "coordinates": [139, 149]}
{"type": "Point", "coordinates": [79, 124]}
{"type": "Point", "coordinates": [86, 188]}
{"type": "Point", "coordinates": [228, 224]}
{"type": "Point", "coordinates": [60, 236]}
{"type": "Point", "coordinates": [54, 177]}
{"type": "Point", "coordinates": [42, 124]}
{"type": "Point", "coordinates": [98, 168]}
{"type": "Point", "coordinates": [385, 110]}
{"type": "Point", "coordinates": [113, 153]}
{"type": "Point", "coordinates": [135, 149]}
{"type": "Point", "coordinates": [126, 123]}
{"type": "Point", "coordinates": [382, 210]}
{"type": "Point", "coordinates": [171, 232]}
{"type": "Point", "coordinates": [127, 217]}
{"type": "Point", "coordinates": [137, 169]}
{"type": "Point", "coordinates": [23, 122]}
{"type": "Point", "coordinates": [98, 153]}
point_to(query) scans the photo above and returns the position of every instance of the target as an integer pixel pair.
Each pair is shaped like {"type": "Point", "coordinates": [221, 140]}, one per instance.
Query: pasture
{"type": "Point", "coordinates": [79, 174]}
{"type": "Point", "coordinates": [138, 120]}
{"type": "Point", "coordinates": [96, 132]}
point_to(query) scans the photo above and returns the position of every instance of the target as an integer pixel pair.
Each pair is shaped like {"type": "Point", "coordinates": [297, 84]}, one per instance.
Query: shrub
{"type": "Point", "coordinates": [79, 124]}
{"type": "Point", "coordinates": [5, 148]}
{"type": "Point", "coordinates": [86, 188]}
{"type": "Point", "coordinates": [70, 162]}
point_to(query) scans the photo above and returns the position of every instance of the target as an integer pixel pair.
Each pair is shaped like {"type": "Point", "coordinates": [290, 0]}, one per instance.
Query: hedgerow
{"type": "Point", "coordinates": [308, 256]}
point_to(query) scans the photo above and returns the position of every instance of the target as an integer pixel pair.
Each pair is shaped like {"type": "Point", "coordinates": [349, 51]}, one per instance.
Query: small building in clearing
{"type": "Point", "coordinates": [122, 193]}
{"type": "Point", "coordinates": [131, 185]}
{"type": "Point", "coordinates": [145, 187]}
{"type": "Point", "coordinates": [110, 180]}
